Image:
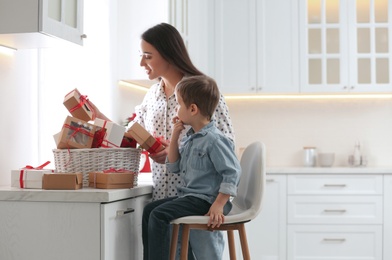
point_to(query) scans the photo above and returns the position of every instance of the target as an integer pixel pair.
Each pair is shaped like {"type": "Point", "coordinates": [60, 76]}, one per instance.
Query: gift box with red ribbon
{"type": "Point", "coordinates": [79, 106]}
{"type": "Point", "coordinates": [29, 177]}
{"type": "Point", "coordinates": [144, 138]}
{"type": "Point", "coordinates": [113, 135]}
{"type": "Point", "coordinates": [76, 134]}
{"type": "Point", "coordinates": [112, 179]}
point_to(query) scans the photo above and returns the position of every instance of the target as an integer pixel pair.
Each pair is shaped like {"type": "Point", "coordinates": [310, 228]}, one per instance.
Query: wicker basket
{"type": "Point", "coordinates": [97, 159]}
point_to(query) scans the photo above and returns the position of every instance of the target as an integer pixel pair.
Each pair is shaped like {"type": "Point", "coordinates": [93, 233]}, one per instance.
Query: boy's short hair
{"type": "Point", "coordinates": [200, 90]}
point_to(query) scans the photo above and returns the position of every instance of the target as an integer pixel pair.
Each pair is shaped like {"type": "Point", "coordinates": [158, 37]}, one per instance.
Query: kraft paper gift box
{"type": "Point", "coordinates": [28, 178]}
{"type": "Point", "coordinates": [78, 105]}
{"type": "Point", "coordinates": [144, 138]}
{"type": "Point", "coordinates": [114, 133]}
{"type": "Point", "coordinates": [75, 134]}
{"type": "Point", "coordinates": [62, 181]}
{"type": "Point", "coordinates": [111, 180]}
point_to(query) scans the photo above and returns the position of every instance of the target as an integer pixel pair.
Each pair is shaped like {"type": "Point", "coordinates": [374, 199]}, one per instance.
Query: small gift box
{"type": "Point", "coordinates": [75, 134]}
{"type": "Point", "coordinates": [113, 135]}
{"type": "Point", "coordinates": [111, 179]}
{"type": "Point", "coordinates": [78, 105]}
{"type": "Point", "coordinates": [29, 177]}
{"type": "Point", "coordinates": [144, 138]}
{"type": "Point", "coordinates": [62, 181]}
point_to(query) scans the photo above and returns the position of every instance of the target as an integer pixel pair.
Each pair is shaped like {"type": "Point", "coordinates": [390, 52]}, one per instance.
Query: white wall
{"type": "Point", "coordinates": [286, 126]}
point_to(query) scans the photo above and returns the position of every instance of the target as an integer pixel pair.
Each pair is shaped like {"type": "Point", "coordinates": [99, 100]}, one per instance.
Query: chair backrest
{"type": "Point", "coordinates": [252, 183]}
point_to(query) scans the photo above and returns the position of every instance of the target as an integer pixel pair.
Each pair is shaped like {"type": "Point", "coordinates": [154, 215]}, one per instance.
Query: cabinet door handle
{"type": "Point", "coordinates": [269, 180]}
{"type": "Point", "coordinates": [122, 212]}
{"type": "Point", "coordinates": [334, 210]}
{"type": "Point", "coordinates": [334, 239]}
{"type": "Point", "coordinates": [334, 185]}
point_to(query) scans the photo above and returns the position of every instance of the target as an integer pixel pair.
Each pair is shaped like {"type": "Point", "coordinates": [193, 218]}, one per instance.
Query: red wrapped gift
{"type": "Point", "coordinates": [144, 138]}
{"type": "Point", "coordinates": [29, 177]}
{"type": "Point", "coordinates": [79, 106]}
{"type": "Point", "coordinates": [76, 134]}
{"type": "Point", "coordinates": [113, 135]}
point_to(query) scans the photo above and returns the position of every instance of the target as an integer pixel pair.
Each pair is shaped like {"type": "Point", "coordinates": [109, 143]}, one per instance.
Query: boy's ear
{"type": "Point", "coordinates": [194, 108]}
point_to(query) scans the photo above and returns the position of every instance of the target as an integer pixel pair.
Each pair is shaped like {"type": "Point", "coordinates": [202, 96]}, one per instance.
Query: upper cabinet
{"type": "Point", "coordinates": [345, 46]}
{"type": "Point", "coordinates": [290, 46]}
{"type": "Point", "coordinates": [40, 23]}
{"type": "Point", "coordinates": [256, 46]}
{"type": "Point", "coordinates": [195, 20]}
{"type": "Point", "coordinates": [248, 46]}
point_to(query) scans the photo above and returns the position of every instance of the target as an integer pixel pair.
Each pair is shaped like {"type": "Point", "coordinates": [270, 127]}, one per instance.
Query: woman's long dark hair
{"type": "Point", "coordinates": [169, 43]}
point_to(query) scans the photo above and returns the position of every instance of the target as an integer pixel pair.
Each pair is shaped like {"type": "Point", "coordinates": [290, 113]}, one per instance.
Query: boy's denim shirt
{"type": "Point", "coordinates": [207, 165]}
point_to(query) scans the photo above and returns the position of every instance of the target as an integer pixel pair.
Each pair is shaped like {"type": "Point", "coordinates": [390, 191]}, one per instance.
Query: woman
{"type": "Point", "coordinates": [165, 57]}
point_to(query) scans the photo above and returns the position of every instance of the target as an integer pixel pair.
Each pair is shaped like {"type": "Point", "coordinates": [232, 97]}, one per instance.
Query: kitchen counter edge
{"type": "Point", "coordinates": [83, 195]}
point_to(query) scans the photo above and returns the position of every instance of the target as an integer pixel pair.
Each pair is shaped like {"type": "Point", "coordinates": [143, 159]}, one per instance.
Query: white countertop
{"type": "Point", "coordinates": [329, 170]}
{"type": "Point", "coordinates": [83, 195]}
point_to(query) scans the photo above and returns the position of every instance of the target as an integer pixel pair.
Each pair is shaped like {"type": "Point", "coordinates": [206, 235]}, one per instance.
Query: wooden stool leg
{"type": "Point", "coordinates": [185, 242]}
{"type": "Point", "coordinates": [230, 238]}
{"type": "Point", "coordinates": [244, 242]}
{"type": "Point", "coordinates": [173, 243]}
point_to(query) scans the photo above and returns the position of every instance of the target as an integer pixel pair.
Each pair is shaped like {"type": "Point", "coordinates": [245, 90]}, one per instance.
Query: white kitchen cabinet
{"type": "Point", "coordinates": [122, 229]}
{"type": "Point", "coordinates": [335, 216]}
{"type": "Point", "coordinates": [49, 230]}
{"type": "Point", "coordinates": [194, 19]}
{"type": "Point", "coordinates": [248, 46]}
{"type": "Point", "coordinates": [334, 242]}
{"type": "Point", "coordinates": [387, 249]}
{"type": "Point", "coordinates": [82, 224]}
{"type": "Point", "coordinates": [256, 46]}
{"type": "Point", "coordinates": [40, 23]}
{"type": "Point", "coordinates": [345, 46]}
{"type": "Point", "coordinates": [267, 232]}
{"type": "Point", "coordinates": [323, 213]}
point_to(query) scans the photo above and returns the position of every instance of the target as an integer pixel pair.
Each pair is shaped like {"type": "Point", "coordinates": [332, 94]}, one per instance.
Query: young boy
{"type": "Point", "coordinates": [205, 161]}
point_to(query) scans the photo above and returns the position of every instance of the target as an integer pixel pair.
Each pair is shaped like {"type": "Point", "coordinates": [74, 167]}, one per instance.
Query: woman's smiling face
{"type": "Point", "coordinates": [152, 61]}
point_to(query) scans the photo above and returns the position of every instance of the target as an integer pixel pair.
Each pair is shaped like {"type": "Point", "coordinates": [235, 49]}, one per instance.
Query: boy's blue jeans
{"type": "Point", "coordinates": [157, 216]}
{"type": "Point", "coordinates": [204, 245]}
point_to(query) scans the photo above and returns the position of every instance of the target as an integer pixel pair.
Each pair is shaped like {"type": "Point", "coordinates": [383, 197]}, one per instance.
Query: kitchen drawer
{"type": "Point", "coordinates": [334, 209]}
{"type": "Point", "coordinates": [335, 184]}
{"type": "Point", "coordinates": [334, 242]}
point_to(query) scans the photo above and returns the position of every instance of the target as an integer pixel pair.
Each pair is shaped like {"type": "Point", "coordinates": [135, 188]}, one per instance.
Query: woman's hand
{"type": "Point", "coordinates": [160, 157]}
{"type": "Point", "coordinates": [97, 112]}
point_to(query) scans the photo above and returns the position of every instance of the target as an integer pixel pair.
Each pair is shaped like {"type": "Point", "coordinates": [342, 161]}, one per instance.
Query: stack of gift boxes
{"type": "Point", "coordinates": [82, 130]}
